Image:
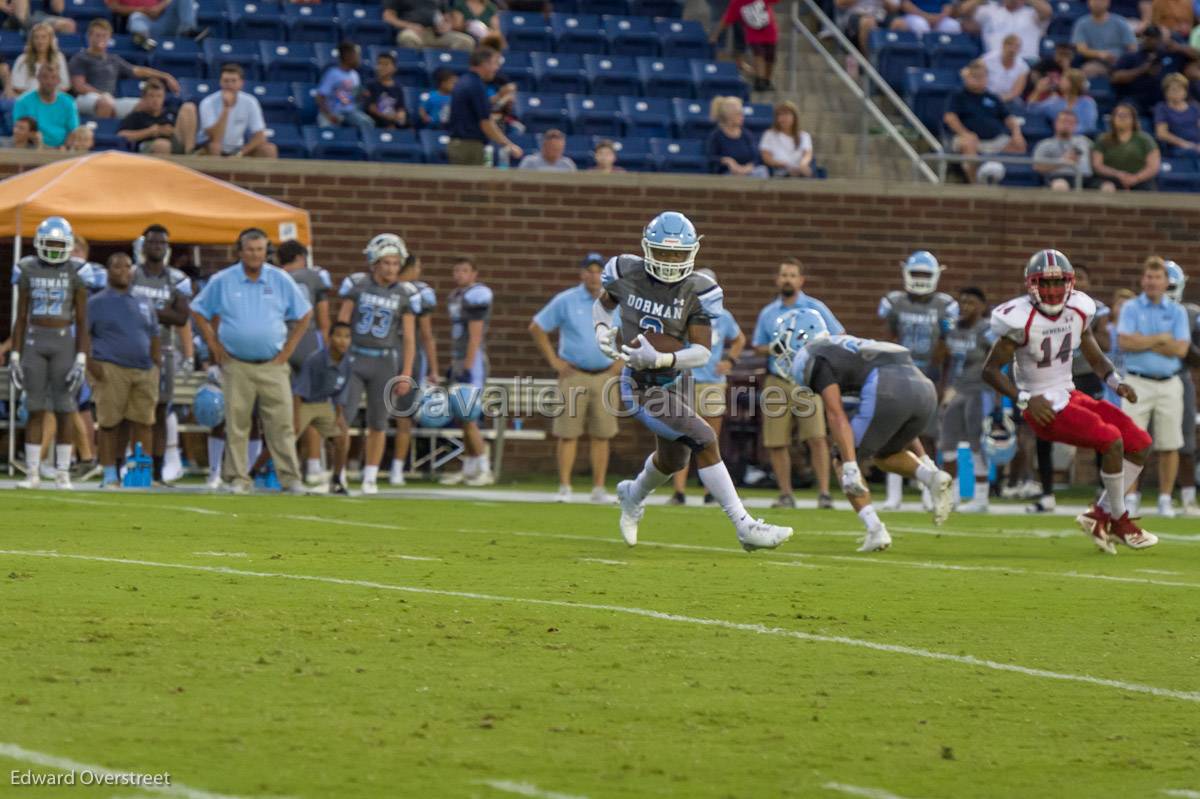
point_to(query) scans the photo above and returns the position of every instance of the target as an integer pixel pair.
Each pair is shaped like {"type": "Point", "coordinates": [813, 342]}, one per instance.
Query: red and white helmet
{"type": "Point", "coordinates": [1049, 279]}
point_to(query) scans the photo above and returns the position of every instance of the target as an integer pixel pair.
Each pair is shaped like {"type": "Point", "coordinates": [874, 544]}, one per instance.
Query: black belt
{"type": "Point", "coordinates": [1152, 377]}
{"type": "Point", "coordinates": [590, 371]}
{"type": "Point", "coordinates": [255, 363]}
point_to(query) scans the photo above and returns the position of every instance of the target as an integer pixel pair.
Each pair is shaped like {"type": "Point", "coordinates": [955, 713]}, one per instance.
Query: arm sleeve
{"type": "Point", "coordinates": [477, 301]}
{"type": "Point", "coordinates": [302, 382]}
{"type": "Point", "coordinates": [711, 303]}
{"type": "Point", "coordinates": [949, 317]}
{"type": "Point", "coordinates": [324, 286]}
{"type": "Point", "coordinates": [822, 375]}
{"type": "Point", "coordinates": [208, 114]}
{"type": "Point", "coordinates": [347, 288]}
{"type": "Point", "coordinates": [205, 304]}
{"type": "Point", "coordinates": [885, 307]}
{"type": "Point", "coordinates": [75, 65]}
{"type": "Point", "coordinates": [550, 317]}
{"type": "Point", "coordinates": [480, 103]}
{"type": "Point", "coordinates": [124, 68]}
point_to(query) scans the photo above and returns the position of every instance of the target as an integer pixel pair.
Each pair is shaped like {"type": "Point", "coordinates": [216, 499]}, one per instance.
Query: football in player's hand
{"type": "Point", "coordinates": [662, 342]}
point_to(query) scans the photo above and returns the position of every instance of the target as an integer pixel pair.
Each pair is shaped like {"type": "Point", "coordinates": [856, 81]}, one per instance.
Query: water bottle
{"type": "Point", "coordinates": [518, 423]}
{"type": "Point", "coordinates": [488, 155]}
{"type": "Point", "coordinates": [502, 158]}
{"type": "Point", "coordinates": [966, 472]}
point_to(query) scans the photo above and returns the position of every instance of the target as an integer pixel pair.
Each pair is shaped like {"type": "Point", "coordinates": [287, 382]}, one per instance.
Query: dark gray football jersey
{"type": "Point", "coordinates": [850, 360]}
{"type": "Point", "coordinates": [919, 323]}
{"type": "Point", "coordinates": [969, 347]}
{"type": "Point", "coordinates": [378, 310]}
{"type": "Point", "coordinates": [50, 287]}
{"type": "Point", "coordinates": [161, 290]}
{"type": "Point", "coordinates": [470, 304]}
{"type": "Point", "coordinates": [316, 285]}
{"type": "Point", "coordinates": [1079, 364]}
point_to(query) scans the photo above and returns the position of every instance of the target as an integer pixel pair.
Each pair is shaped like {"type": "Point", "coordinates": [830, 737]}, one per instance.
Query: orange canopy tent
{"type": "Point", "coordinates": [113, 196]}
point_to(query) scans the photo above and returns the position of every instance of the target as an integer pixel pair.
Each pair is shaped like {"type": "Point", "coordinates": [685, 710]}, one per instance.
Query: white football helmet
{"type": "Point", "coordinates": [54, 240]}
{"type": "Point", "coordinates": [921, 272]}
{"type": "Point", "coordinates": [386, 244]}
{"type": "Point", "coordinates": [1176, 280]}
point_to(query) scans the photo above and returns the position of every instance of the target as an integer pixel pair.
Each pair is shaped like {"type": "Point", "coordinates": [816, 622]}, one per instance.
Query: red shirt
{"type": "Point", "coordinates": [757, 18]}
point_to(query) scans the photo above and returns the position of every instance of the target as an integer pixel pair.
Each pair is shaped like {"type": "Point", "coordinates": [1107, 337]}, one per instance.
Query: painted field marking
{"type": "Point", "coordinates": [223, 554]}
{"type": "Point", "coordinates": [1182, 793]}
{"type": "Point", "coordinates": [526, 789]}
{"type": "Point", "coordinates": [604, 562]}
{"type": "Point", "coordinates": [858, 790]}
{"type": "Point", "coordinates": [760, 629]}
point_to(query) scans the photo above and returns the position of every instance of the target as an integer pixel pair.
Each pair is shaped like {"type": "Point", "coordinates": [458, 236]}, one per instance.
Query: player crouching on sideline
{"type": "Point", "coordinates": [660, 295]}
{"type": "Point", "coordinates": [319, 403]}
{"type": "Point", "coordinates": [897, 402]}
{"type": "Point", "coordinates": [1042, 330]}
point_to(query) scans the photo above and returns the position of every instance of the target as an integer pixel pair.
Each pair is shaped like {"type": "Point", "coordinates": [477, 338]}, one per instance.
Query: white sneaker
{"type": "Point", "coordinates": [239, 488]}
{"type": "Point", "coordinates": [1165, 508]}
{"type": "Point", "coordinates": [1191, 509]}
{"type": "Point", "coordinates": [34, 481]}
{"type": "Point", "coordinates": [1047, 504]}
{"type": "Point", "coordinates": [452, 479]}
{"type": "Point", "coordinates": [631, 512]}
{"type": "Point", "coordinates": [890, 505]}
{"type": "Point", "coordinates": [396, 477]}
{"type": "Point", "coordinates": [481, 479]}
{"type": "Point", "coordinates": [757, 534]}
{"type": "Point", "coordinates": [563, 495]}
{"type": "Point", "coordinates": [47, 471]}
{"type": "Point", "coordinates": [600, 496]}
{"type": "Point", "coordinates": [876, 541]}
{"type": "Point", "coordinates": [927, 499]}
{"type": "Point", "coordinates": [369, 487]}
{"type": "Point", "coordinates": [62, 481]}
{"type": "Point", "coordinates": [214, 483]}
{"type": "Point", "coordinates": [974, 506]}
{"type": "Point", "coordinates": [316, 479]}
{"type": "Point", "coordinates": [172, 466]}
{"type": "Point", "coordinates": [942, 497]}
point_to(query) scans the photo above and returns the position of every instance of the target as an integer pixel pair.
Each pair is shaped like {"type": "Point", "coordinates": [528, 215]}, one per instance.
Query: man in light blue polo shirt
{"type": "Point", "coordinates": [243, 315]}
{"type": "Point", "coordinates": [1153, 337]}
{"type": "Point", "coordinates": [585, 377]}
{"type": "Point", "coordinates": [809, 416]}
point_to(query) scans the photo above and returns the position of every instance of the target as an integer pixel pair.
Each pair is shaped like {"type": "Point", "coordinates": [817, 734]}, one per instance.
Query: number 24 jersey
{"type": "Point", "coordinates": [1044, 344]}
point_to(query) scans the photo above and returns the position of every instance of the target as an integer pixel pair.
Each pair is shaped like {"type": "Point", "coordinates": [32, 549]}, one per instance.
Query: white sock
{"type": "Point", "coordinates": [925, 473]}
{"type": "Point", "coordinates": [216, 452]}
{"type": "Point", "coordinates": [1113, 500]}
{"type": "Point", "coordinates": [253, 450]}
{"type": "Point", "coordinates": [313, 466]}
{"type": "Point", "coordinates": [648, 479]}
{"type": "Point", "coordinates": [172, 430]}
{"type": "Point", "coordinates": [482, 466]}
{"type": "Point", "coordinates": [370, 474]}
{"type": "Point", "coordinates": [1187, 495]}
{"type": "Point", "coordinates": [398, 465]}
{"type": "Point", "coordinates": [33, 458]}
{"type": "Point", "coordinates": [1132, 472]}
{"type": "Point", "coordinates": [718, 482]}
{"type": "Point", "coordinates": [1164, 499]}
{"type": "Point", "coordinates": [870, 518]}
{"type": "Point", "coordinates": [62, 457]}
{"type": "Point", "coordinates": [895, 488]}
{"type": "Point", "coordinates": [981, 492]}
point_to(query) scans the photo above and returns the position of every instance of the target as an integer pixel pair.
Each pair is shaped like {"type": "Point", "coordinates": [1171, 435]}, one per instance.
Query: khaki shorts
{"type": "Point", "coordinates": [125, 394]}
{"type": "Point", "coordinates": [1159, 409]}
{"type": "Point", "coordinates": [465, 152]}
{"type": "Point", "coordinates": [986, 146]}
{"type": "Point", "coordinates": [320, 415]}
{"type": "Point", "coordinates": [710, 399]}
{"type": "Point", "coordinates": [586, 408]}
{"type": "Point", "coordinates": [804, 410]}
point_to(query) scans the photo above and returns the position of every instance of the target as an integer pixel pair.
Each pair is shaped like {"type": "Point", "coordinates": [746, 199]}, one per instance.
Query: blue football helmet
{"type": "Point", "coordinates": [54, 240]}
{"type": "Point", "coordinates": [792, 332]}
{"type": "Point", "coordinates": [386, 244]}
{"type": "Point", "coordinates": [466, 402]}
{"type": "Point", "coordinates": [208, 406]}
{"type": "Point", "coordinates": [921, 272]}
{"type": "Point", "coordinates": [1176, 280]}
{"type": "Point", "coordinates": [434, 410]}
{"type": "Point", "coordinates": [1000, 438]}
{"type": "Point", "coordinates": [670, 236]}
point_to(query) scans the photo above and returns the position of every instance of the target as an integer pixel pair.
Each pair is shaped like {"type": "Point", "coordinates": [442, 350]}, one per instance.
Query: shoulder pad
{"type": "Point", "coordinates": [477, 295]}
{"type": "Point", "coordinates": [180, 281]}
{"type": "Point", "coordinates": [711, 296]}
{"type": "Point", "coordinates": [351, 284]}
{"type": "Point", "coordinates": [323, 276]}
{"type": "Point", "coordinates": [612, 271]}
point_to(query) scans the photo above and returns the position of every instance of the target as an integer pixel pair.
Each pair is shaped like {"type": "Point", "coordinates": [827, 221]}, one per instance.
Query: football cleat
{"type": "Point", "coordinates": [890, 505]}
{"type": "Point", "coordinates": [942, 497]}
{"type": "Point", "coordinates": [480, 480]}
{"type": "Point", "coordinates": [1128, 533]}
{"type": "Point", "coordinates": [214, 483]}
{"type": "Point", "coordinates": [1165, 508]}
{"type": "Point", "coordinates": [563, 494]}
{"type": "Point", "coordinates": [677, 498]}
{"type": "Point", "coordinates": [396, 477]}
{"type": "Point", "coordinates": [369, 488]}
{"type": "Point", "coordinates": [62, 480]}
{"type": "Point", "coordinates": [757, 534]}
{"type": "Point", "coordinates": [338, 489]}
{"type": "Point", "coordinates": [1191, 509]}
{"type": "Point", "coordinates": [824, 502]}
{"type": "Point", "coordinates": [1047, 504]}
{"type": "Point", "coordinates": [974, 506]}
{"type": "Point", "coordinates": [452, 479]}
{"type": "Point", "coordinates": [784, 501]}
{"type": "Point", "coordinates": [876, 541]}
{"type": "Point", "coordinates": [600, 496]}
{"type": "Point", "coordinates": [1095, 523]}
{"type": "Point", "coordinates": [34, 481]}
{"type": "Point", "coordinates": [314, 478]}
{"type": "Point", "coordinates": [631, 512]}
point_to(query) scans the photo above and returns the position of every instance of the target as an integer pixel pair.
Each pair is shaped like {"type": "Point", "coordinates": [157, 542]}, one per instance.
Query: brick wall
{"type": "Point", "coordinates": [527, 233]}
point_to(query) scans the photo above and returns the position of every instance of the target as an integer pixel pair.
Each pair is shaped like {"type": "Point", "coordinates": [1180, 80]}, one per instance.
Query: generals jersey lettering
{"type": "Point", "coordinates": [316, 285]}
{"type": "Point", "coordinates": [50, 287]}
{"type": "Point", "coordinates": [160, 290]}
{"type": "Point", "coordinates": [919, 323]}
{"type": "Point", "coordinates": [378, 310]}
{"type": "Point", "coordinates": [1044, 344]}
{"type": "Point", "coordinates": [969, 347]}
{"type": "Point", "coordinates": [845, 360]}
{"type": "Point", "coordinates": [470, 304]}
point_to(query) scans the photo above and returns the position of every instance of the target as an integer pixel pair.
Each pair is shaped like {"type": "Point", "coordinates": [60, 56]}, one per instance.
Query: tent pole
{"type": "Point", "coordinates": [12, 389]}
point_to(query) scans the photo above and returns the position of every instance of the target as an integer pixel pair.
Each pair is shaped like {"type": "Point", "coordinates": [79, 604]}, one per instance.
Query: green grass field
{"type": "Point", "coordinates": [312, 647]}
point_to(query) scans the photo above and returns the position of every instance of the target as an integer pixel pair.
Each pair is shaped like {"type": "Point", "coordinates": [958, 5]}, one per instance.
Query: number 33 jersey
{"type": "Point", "coordinates": [378, 309]}
{"type": "Point", "coordinates": [1045, 344]}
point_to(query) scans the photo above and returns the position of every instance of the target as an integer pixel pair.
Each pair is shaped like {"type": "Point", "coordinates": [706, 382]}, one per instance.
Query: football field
{"type": "Point", "coordinates": [311, 647]}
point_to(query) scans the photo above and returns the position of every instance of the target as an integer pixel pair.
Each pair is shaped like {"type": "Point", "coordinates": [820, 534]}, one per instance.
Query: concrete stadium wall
{"type": "Point", "coordinates": [527, 232]}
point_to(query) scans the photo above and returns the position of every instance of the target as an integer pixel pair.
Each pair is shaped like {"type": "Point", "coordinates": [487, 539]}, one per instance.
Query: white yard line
{"type": "Point", "coordinates": [604, 562]}
{"type": "Point", "coordinates": [223, 554]}
{"type": "Point", "coordinates": [1181, 793]}
{"type": "Point", "coordinates": [1158, 571]}
{"type": "Point", "coordinates": [858, 790]}
{"type": "Point", "coordinates": [760, 629]}
{"type": "Point", "coordinates": [124, 779]}
{"type": "Point", "coordinates": [527, 789]}
{"type": "Point", "coordinates": [415, 557]}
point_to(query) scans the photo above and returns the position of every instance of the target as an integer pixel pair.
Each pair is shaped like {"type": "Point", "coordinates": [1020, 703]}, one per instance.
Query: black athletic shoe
{"type": "Point", "coordinates": [825, 502]}
{"type": "Point", "coordinates": [339, 489]}
{"type": "Point", "coordinates": [677, 499]}
{"type": "Point", "coordinates": [709, 499]}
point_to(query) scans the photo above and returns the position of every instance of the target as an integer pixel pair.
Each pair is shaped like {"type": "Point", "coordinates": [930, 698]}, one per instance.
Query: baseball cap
{"type": "Point", "coordinates": [591, 258]}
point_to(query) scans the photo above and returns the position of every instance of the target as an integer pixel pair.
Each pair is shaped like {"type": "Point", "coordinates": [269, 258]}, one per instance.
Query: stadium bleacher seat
{"type": "Point", "coordinates": [412, 101]}
{"type": "Point", "coordinates": [647, 117]}
{"type": "Point", "coordinates": [692, 120]}
{"type": "Point", "coordinates": [1101, 90]}
{"type": "Point", "coordinates": [540, 111]}
{"type": "Point", "coordinates": [339, 144]}
{"type": "Point", "coordinates": [86, 10]}
{"type": "Point", "coordinates": [410, 64]}
{"type": "Point", "coordinates": [12, 44]}
{"type": "Point", "coordinates": [433, 145]}
{"type": "Point", "coordinates": [121, 44]}
{"type": "Point", "coordinates": [1180, 174]}
{"type": "Point", "coordinates": [756, 117]}
{"type": "Point", "coordinates": [401, 146]}
{"type": "Point", "coordinates": [895, 52]}
{"type": "Point", "coordinates": [71, 43]}
{"type": "Point", "coordinates": [612, 8]}
{"type": "Point", "coordinates": [182, 58]}
{"type": "Point", "coordinates": [311, 22]}
{"type": "Point", "coordinates": [577, 33]}
{"type": "Point", "coordinates": [304, 95]}
{"type": "Point", "coordinates": [364, 24]}
{"type": "Point", "coordinates": [1021, 175]}
{"type": "Point", "coordinates": [679, 155]}
{"type": "Point", "coordinates": [437, 59]}
{"type": "Point", "coordinates": [578, 149]}
{"type": "Point", "coordinates": [132, 87]}
{"type": "Point", "coordinates": [289, 140]}
{"type": "Point", "coordinates": [558, 73]}
{"type": "Point", "coordinates": [666, 77]}
{"type": "Point", "coordinates": [926, 90]}
{"type": "Point", "coordinates": [214, 15]}
{"type": "Point", "coordinates": [235, 51]}
{"type": "Point", "coordinates": [1035, 127]}
{"type": "Point", "coordinates": [612, 74]}
{"type": "Point", "coordinates": [633, 153]}
{"type": "Point", "coordinates": [714, 78]}
{"type": "Point", "coordinates": [276, 99]}
{"type": "Point", "coordinates": [1063, 16]}
{"type": "Point", "coordinates": [671, 9]}
{"type": "Point", "coordinates": [525, 31]}
{"type": "Point", "coordinates": [594, 115]}
{"type": "Point", "coordinates": [192, 89]}
{"type": "Point", "coordinates": [255, 19]}
{"type": "Point", "coordinates": [682, 39]}
{"type": "Point", "coordinates": [289, 61]}
{"type": "Point", "coordinates": [518, 68]}
{"type": "Point", "coordinates": [949, 50]}
{"type": "Point", "coordinates": [105, 133]}
{"type": "Point", "coordinates": [635, 36]}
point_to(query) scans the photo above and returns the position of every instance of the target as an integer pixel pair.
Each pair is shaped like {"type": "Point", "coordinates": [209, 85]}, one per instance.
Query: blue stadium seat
{"type": "Point", "coordinates": [647, 116]}
{"type": "Point", "coordinates": [518, 69]}
{"type": "Point", "coordinates": [182, 58]}
{"type": "Point", "coordinates": [311, 23]}
{"type": "Point", "coordinates": [527, 31]}
{"type": "Point", "coordinates": [578, 149]}
{"type": "Point", "coordinates": [195, 89]}
{"type": "Point", "coordinates": [1021, 175]}
{"type": "Point", "coordinates": [633, 153]}
{"type": "Point", "coordinates": [894, 52]}
{"type": "Point", "coordinates": [288, 139]}
{"type": "Point", "coordinates": [289, 61]}
{"type": "Point", "coordinates": [400, 146]}
{"type": "Point", "coordinates": [410, 64]}
{"type": "Point", "coordinates": [132, 87]}
{"type": "Point", "coordinates": [594, 115]}
{"type": "Point", "coordinates": [236, 51]}
{"type": "Point", "coordinates": [1046, 48]}
{"type": "Point", "coordinates": [412, 101]}
{"type": "Point", "coordinates": [433, 145]}
{"type": "Point", "coordinates": [713, 78]}
{"type": "Point", "coordinates": [679, 155]}
{"type": "Point", "coordinates": [85, 10]}
{"type": "Point", "coordinates": [526, 141]}
{"type": "Point", "coordinates": [950, 50]}
{"type": "Point", "coordinates": [71, 43]}
{"type": "Point", "coordinates": [1062, 19]}
{"type": "Point", "coordinates": [275, 98]}
{"type": "Point", "coordinates": [304, 95]}
{"type": "Point", "coordinates": [122, 44]}
{"type": "Point", "coordinates": [339, 144]}
{"type": "Point", "coordinates": [105, 133]}
{"type": "Point", "coordinates": [325, 55]}
{"type": "Point", "coordinates": [606, 7]}
{"type": "Point", "coordinates": [634, 36]}
{"type": "Point", "coordinates": [558, 73]}
{"type": "Point", "coordinates": [1179, 174]}
{"type": "Point", "coordinates": [12, 44]}
{"type": "Point", "coordinates": [670, 9]}
{"type": "Point", "coordinates": [1101, 90]}
{"type": "Point", "coordinates": [666, 77]}
{"type": "Point", "coordinates": [612, 74]}
{"type": "Point", "coordinates": [926, 90]}
{"type": "Point", "coordinates": [456, 60]}
{"type": "Point", "coordinates": [756, 117]}
{"type": "Point", "coordinates": [255, 19]}
{"type": "Point", "coordinates": [364, 24]}
{"type": "Point", "coordinates": [1035, 127]}
{"type": "Point", "coordinates": [692, 120]}
{"type": "Point", "coordinates": [577, 33]}
{"type": "Point", "coordinates": [213, 14]}
{"type": "Point", "coordinates": [539, 112]}
{"type": "Point", "coordinates": [683, 39]}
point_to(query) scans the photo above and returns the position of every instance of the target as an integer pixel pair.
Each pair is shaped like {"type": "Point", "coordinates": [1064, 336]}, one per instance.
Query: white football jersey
{"type": "Point", "coordinates": [1044, 345]}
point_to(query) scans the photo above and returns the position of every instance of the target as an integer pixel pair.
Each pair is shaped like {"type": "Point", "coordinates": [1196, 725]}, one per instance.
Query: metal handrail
{"type": "Point", "coordinates": [875, 80]}
{"type": "Point", "coordinates": [1006, 158]}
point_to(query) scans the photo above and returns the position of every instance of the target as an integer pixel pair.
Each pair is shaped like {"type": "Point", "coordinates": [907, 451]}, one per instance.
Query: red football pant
{"type": "Point", "coordinates": [1091, 423]}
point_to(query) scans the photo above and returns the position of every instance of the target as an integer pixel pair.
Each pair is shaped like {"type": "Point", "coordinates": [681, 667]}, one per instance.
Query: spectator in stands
{"type": "Point", "coordinates": [1177, 118]}
{"type": "Point", "coordinates": [994, 21]}
{"type": "Point", "coordinates": [477, 18]}
{"type": "Point", "coordinates": [731, 148]}
{"type": "Point", "coordinates": [550, 157]}
{"type": "Point", "coordinates": [471, 123]}
{"type": "Point", "coordinates": [25, 135]}
{"type": "Point", "coordinates": [922, 16]}
{"type": "Point", "coordinates": [1070, 96]}
{"type": "Point", "coordinates": [95, 72]}
{"type": "Point", "coordinates": [151, 21]}
{"type": "Point", "coordinates": [1175, 17]}
{"type": "Point", "coordinates": [255, 302]}
{"type": "Point", "coordinates": [54, 112]}
{"type": "Point", "coordinates": [1053, 66]}
{"type": "Point", "coordinates": [1125, 157]}
{"type": "Point", "coordinates": [338, 93]}
{"type": "Point", "coordinates": [785, 148]}
{"type": "Point", "coordinates": [435, 106]}
{"type": "Point", "coordinates": [41, 47]}
{"type": "Point", "coordinates": [83, 139]}
{"type": "Point", "coordinates": [231, 121]}
{"type": "Point", "coordinates": [1064, 145]}
{"type": "Point", "coordinates": [1101, 38]}
{"type": "Point", "coordinates": [757, 18]}
{"type": "Point", "coordinates": [28, 13]}
{"type": "Point", "coordinates": [1007, 71]}
{"type": "Point", "coordinates": [1137, 76]}
{"type": "Point", "coordinates": [858, 18]}
{"type": "Point", "coordinates": [155, 129]}
{"type": "Point", "coordinates": [980, 120]}
{"type": "Point", "coordinates": [420, 23]}
{"type": "Point", "coordinates": [385, 98]}
{"type": "Point", "coordinates": [605, 156]}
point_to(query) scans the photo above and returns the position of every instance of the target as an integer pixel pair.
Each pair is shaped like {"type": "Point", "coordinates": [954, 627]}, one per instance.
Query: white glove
{"type": "Point", "coordinates": [76, 375]}
{"type": "Point", "coordinates": [606, 339]}
{"type": "Point", "coordinates": [644, 356]}
{"type": "Point", "coordinates": [15, 372]}
{"type": "Point", "coordinates": [852, 480]}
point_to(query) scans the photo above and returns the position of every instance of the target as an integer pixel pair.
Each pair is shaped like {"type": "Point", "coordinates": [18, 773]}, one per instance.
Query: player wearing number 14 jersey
{"type": "Point", "coordinates": [1042, 330]}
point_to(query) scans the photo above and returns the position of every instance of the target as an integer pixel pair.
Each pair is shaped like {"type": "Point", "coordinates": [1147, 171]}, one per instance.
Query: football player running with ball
{"type": "Point", "coordinates": [660, 295]}
{"type": "Point", "coordinates": [1042, 331]}
{"type": "Point", "coordinates": [896, 402]}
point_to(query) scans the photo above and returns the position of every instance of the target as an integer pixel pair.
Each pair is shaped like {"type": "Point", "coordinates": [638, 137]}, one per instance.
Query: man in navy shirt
{"type": "Point", "coordinates": [123, 363]}
{"type": "Point", "coordinates": [320, 399]}
{"type": "Point", "coordinates": [980, 121]}
{"type": "Point", "coordinates": [1137, 76]}
{"type": "Point", "coordinates": [471, 125]}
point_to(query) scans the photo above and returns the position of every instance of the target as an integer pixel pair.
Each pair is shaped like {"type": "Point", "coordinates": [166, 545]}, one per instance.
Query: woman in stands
{"type": "Point", "coordinates": [41, 47]}
{"type": "Point", "coordinates": [786, 149]}
{"type": "Point", "coordinates": [731, 148]}
{"type": "Point", "coordinates": [1051, 97]}
{"type": "Point", "coordinates": [1177, 119]}
{"type": "Point", "coordinates": [1125, 158]}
